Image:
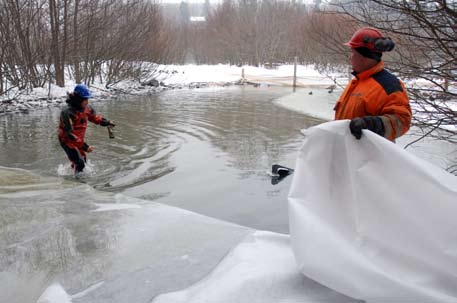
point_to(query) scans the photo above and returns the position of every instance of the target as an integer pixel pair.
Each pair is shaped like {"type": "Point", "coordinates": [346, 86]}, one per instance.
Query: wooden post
{"type": "Point", "coordinates": [242, 75]}
{"type": "Point", "coordinates": [295, 73]}
{"type": "Point", "coordinates": [49, 87]}
{"type": "Point", "coordinates": [6, 88]}
{"type": "Point", "coordinates": [1, 81]}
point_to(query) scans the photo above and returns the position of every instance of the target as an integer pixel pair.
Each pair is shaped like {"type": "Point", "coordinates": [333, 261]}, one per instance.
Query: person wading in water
{"type": "Point", "coordinates": [73, 125]}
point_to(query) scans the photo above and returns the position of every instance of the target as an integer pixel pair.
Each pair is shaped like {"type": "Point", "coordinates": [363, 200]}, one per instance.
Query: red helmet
{"type": "Point", "coordinates": [365, 37]}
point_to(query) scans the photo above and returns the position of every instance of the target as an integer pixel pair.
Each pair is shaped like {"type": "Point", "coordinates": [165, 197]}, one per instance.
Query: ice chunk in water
{"type": "Point", "coordinates": [54, 294]}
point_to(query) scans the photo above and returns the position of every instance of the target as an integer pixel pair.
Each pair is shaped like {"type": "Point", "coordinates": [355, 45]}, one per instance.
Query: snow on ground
{"type": "Point", "coordinates": [221, 74]}
{"type": "Point", "coordinates": [159, 77]}
{"type": "Point", "coordinates": [318, 104]}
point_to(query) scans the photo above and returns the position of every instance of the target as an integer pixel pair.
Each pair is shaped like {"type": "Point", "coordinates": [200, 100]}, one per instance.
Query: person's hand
{"type": "Point", "coordinates": [373, 123]}
{"type": "Point", "coordinates": [90, 149]}
{"type": "Point", "coordinates": [111, 123]}
{"type": "Point", "coordinates": [356, 126]}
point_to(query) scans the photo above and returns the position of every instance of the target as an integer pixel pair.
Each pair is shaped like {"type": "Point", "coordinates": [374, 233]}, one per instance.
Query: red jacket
{"type": "Point", "coordinates": [376, 92]}
{"type": "Point", "coordinates": [73, 125]}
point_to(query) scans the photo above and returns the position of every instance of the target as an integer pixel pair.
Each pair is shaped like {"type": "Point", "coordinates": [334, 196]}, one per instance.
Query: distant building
{"type": "Point", "coordinates": [183, 11]}
{"type": "Point", "coordinates": [197, 19]}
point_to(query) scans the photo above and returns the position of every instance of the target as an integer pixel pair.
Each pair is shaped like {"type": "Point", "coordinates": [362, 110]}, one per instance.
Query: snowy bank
{"type": "Point", "coordinates": [314, 103]}
{"type": "Point", "coordinates": [156, 78]}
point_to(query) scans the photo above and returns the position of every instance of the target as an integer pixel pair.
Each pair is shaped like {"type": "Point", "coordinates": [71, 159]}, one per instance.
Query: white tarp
{"type": "Point", "coordinates": [372, 221]}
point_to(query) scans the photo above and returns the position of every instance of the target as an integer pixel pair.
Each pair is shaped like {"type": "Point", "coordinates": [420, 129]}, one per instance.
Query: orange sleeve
{"type": "Point", "coordinates": [396, 114]}
{"type": "Point", "coordinates": [93, 117]}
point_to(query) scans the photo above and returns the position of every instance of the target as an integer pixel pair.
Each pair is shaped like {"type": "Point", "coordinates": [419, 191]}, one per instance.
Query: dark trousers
{"type": "Point", "coordinates": [74, 156]}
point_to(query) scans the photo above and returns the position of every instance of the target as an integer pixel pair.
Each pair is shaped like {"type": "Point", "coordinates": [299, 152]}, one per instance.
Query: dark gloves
{"type": "Point", "coordinates": [106, 122]}
{"type": "Point", "coordinates": [85, 146]}
{"type": "Point", "coordinates": [373, 123]}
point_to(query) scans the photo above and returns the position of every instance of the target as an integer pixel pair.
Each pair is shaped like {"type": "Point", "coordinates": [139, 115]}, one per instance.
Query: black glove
{"type": "Point", "coordinates": [85, 146]}
{"type": "Point", "coordinates": [373, 123]}
{"type": "Point", "coordinates": [106, 122]}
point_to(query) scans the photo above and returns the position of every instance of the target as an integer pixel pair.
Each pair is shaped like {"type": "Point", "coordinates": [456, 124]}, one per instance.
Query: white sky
{"type": "Point", "coordinates": [188, 1]}
{"type": "Point", "coordinates": [203, 1]}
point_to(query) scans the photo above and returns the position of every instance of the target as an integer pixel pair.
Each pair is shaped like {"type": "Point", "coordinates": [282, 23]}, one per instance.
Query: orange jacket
{"type": "Point", "coordinates": [376, 92]}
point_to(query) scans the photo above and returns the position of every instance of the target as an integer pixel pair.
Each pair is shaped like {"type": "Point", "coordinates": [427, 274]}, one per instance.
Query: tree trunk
{"type": "Point", "coordinates": [1, 72]}
{"type": "Point", "coordinates": [1, 79]}
{"type": "Point", "coordinates": [64, 42]}
{"type": "Point", "coordinates": [27, 60]}
{"type": "Point", "coordinates": [54, 18]}
{"type": "Point", "coordinates": [75, 44]}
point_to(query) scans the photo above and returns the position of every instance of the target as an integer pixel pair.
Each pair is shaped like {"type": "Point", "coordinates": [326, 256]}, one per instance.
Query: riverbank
{"type": "Point", "coordinates": [157, 78]}
{"type": "Point", "coordinates": [310, 98]}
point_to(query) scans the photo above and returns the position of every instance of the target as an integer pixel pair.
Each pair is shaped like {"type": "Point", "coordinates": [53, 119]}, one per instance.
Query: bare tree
{"type": "Point", "coordinates": [75, 43]}
{"type": "Point", "coordinates": [426, 38]}
{"type": "Point", "coordinates": [271, 31]}
{"type": "Point", "coordinates": [95, 39]}
{"type": "Point", "coordinates": [58, 52]}
{"type": "Point", "coordinates": [20, 24]}
{"type": "Point", "coordinates": [323, 36]}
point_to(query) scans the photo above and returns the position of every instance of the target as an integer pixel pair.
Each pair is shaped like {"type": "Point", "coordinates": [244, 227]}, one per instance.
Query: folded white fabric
{"type": "Point", "coordinates": [372, 221]}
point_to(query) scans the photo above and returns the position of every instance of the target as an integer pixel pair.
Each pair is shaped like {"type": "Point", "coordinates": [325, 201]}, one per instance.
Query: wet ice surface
{"type": "Point", "coordinates": [104, 239]}
{"type": "Point", "coordinates": [105, 247]}
{"type": "Point", "coordinates": [137, 252]}
{"type": "Point", "coordinates": [261, 268]}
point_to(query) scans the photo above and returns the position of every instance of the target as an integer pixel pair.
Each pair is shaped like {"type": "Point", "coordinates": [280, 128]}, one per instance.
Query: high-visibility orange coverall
{"type": "Point", "coordinates": [376, 92]}
{"type": "Point", "coordinates": [72, 131]}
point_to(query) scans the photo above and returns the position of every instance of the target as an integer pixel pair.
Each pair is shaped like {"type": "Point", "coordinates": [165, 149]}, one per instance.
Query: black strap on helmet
{"type": "Point", "coordinates": [382, 44]}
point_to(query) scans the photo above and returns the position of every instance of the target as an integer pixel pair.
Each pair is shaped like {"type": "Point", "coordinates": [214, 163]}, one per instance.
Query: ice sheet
{"type": "Point", "coordinates": [260, 269]}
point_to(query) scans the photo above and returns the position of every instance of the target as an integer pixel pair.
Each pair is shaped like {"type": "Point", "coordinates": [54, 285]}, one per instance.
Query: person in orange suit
{"type": "Point", "coordinates": [375, 99]}
{"type": "Point", "coordinates": [73, 125]}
